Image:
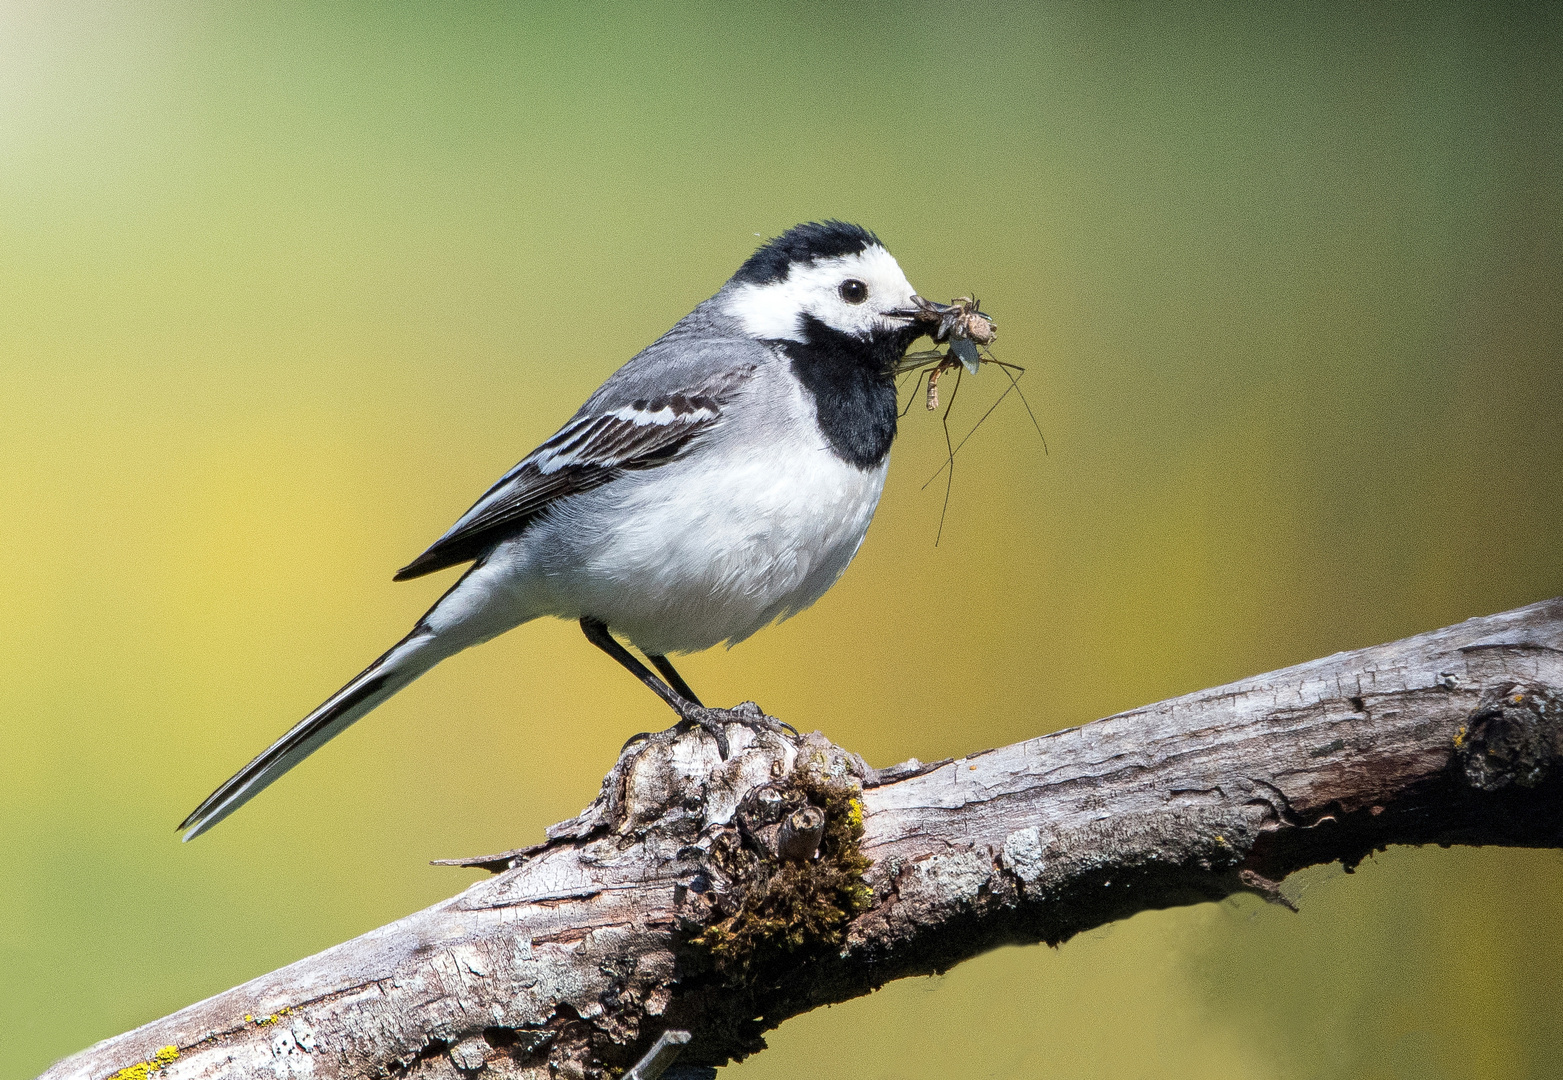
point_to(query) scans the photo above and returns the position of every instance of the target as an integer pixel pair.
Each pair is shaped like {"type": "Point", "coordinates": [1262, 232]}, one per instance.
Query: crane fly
{"type": "Point", "coordinates": [966, 331]}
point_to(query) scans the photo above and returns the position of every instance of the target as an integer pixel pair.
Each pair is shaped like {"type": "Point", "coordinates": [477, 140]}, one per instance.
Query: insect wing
{"type": "Point", "coordinates": [964, 350]}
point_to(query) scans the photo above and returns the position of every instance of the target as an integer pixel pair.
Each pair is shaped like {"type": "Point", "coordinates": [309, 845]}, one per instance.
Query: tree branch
{"type": "Point", "coordinates": [723, 897]}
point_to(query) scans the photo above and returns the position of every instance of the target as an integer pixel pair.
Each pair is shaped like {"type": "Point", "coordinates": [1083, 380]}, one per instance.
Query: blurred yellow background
{"type": "Point", "coordinates": [283, 288]}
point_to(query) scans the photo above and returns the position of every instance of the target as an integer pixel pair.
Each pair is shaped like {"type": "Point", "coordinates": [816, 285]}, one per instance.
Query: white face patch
{"type": "Point", "coordinates": [776, 309]}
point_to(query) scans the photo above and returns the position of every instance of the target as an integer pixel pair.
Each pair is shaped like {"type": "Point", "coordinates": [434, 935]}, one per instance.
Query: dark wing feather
{"type": "Point", "coordinates": [589, 451]}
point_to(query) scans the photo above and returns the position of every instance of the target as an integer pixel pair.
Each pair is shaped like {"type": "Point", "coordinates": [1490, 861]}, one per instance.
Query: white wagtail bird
{"type": "Point", "coordinates": [720, 481]}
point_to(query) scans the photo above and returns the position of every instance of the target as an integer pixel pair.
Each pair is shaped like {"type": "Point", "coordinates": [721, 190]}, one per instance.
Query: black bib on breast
{"type": "Point", "coordinates": [852, 381]}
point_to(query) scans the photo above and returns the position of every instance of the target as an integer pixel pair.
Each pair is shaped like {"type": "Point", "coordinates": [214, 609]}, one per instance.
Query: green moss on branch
{"type": "Point", "coordinates": [775, 910]}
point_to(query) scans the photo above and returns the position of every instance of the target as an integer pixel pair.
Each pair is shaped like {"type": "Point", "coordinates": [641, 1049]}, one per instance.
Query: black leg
{"type": "Point", "coordinates": [676, 692]}
{"type": "Point", "coordinates": [596, 632]}
{"type": "Point", "coordinates": [675, 680]}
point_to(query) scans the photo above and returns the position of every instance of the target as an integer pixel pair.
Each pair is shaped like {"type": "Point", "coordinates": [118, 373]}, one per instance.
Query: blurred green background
{"type": "Point", "coordinates": [284, 287]}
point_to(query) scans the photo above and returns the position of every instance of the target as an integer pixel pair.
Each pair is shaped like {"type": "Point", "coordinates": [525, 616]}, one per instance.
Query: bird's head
{"type": "Point", "coordinates": [825, 278]}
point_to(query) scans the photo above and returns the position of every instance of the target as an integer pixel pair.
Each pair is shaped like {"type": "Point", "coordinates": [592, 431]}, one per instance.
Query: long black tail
{"type": "Point", "coordinates": [408, 659]}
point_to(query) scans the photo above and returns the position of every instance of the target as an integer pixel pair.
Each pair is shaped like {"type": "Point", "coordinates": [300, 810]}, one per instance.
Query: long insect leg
{"type": "Point", "coordinates": [902, 414]}
{"type": "Point", "coordinates": [968, 435]}
{"type": "Point", "coordinates": [1015, 382]}
{"type": "Point", "coordinates": [950, 460]}
{"type": "Point", "coordinates": [1015, 386]}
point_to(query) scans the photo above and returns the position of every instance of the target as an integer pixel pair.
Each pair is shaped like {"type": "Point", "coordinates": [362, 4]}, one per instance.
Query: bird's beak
{"type": "Point", "coordinates": [921, 311]}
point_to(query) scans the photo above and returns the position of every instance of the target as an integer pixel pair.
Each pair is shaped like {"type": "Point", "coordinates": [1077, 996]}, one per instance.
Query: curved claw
{"type": "Point", "coordinates": [747, 714]}
{"type": "Point", "coordinates": [751, 715]}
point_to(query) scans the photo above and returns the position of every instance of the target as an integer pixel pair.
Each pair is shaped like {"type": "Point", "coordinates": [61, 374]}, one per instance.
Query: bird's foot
{"type": "Point", "coordinates": [715, 721]}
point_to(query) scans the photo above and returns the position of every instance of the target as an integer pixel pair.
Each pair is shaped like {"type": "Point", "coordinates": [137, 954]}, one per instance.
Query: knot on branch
{"type": "Point", "coordinates": [1513, 737]}
{"type": "Point", "coordinates": [791, 873]}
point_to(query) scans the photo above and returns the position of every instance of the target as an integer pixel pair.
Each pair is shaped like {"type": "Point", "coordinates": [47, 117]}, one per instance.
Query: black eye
{"type": "Point", "coordinates": [853, 291]}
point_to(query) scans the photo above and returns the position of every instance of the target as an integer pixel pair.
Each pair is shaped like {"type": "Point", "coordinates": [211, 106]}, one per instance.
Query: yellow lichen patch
{"type": "Point", "coordinates": [272, 1019]}
{"type": "Point", "coordinates": [143, 1069]}
{"type": "Point", "coordinates": [1459, 737]}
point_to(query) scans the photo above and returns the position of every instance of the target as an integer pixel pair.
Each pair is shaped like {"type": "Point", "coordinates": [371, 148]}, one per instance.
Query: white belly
{"type": "Point", "coordinates": [702, 553]}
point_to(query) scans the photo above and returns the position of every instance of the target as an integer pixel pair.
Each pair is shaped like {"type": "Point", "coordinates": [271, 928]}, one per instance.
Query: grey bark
{"type": "Point", "coordinates": [581, 951]}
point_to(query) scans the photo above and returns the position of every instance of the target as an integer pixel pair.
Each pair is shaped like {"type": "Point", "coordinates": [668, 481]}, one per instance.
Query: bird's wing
{"type": "Point", "coordinates": [599, 443]}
